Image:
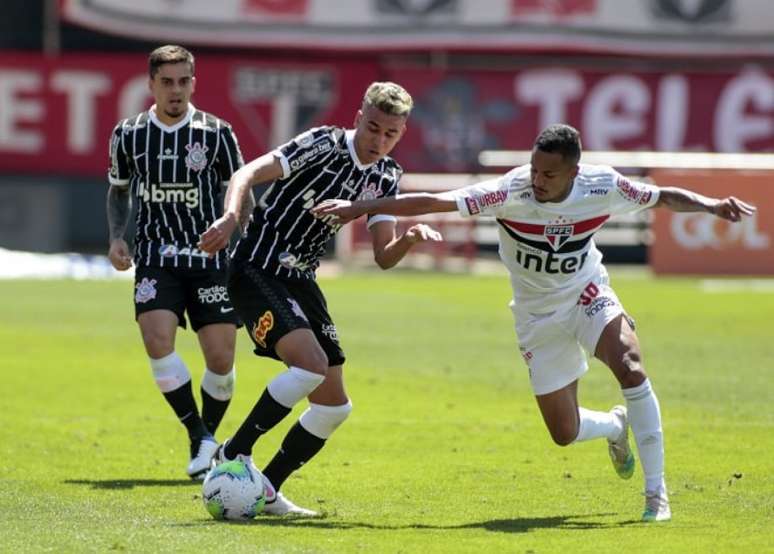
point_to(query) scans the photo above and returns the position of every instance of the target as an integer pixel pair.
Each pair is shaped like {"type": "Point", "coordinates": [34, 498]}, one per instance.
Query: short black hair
{"type": "Point", "coordinates": [170, 53]}
{"type": "Point", "coordinates": [561, 139]}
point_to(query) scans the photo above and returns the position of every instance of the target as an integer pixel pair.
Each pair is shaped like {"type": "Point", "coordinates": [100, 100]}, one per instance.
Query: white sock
{"type": "Point", "coordinates": [169, 372]}
{"type": "Point", "coordinates": [645, 421]}
{"type": "Point", "coordinates": [220, 387]}
{"type": "Point", "coordinates": [597, 424]}
{"type": "Point", "coordinates": [293, 384]}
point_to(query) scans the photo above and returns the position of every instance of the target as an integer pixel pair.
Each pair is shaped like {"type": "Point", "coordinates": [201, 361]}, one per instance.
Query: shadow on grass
{"type": "Point", "coordinates": [515, 525]}
{"type": "Point", "coordinates": [113, 484]}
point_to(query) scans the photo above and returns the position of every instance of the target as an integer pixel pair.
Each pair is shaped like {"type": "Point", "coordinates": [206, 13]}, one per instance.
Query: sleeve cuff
{"type": "Point", "coordinates": [118, 182]}
{"type": "Point", "coordinates": [380, 217]}
{"type": "Point", "coordinates": [283, 162]}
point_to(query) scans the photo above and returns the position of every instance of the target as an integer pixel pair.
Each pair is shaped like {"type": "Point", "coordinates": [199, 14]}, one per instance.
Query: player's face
{"type": "Point", "coordinates": [376, 133]}
{"type": "Point", "coordinates": [172, 87]}
{"type": "Point", "coordinates": [552, 176]}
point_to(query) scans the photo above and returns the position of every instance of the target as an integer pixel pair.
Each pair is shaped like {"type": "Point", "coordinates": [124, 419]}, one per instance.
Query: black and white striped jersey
{"type": "Point", "coordinates": [284, 239]}
{"type": "Point", "coordinates": [176, 174]}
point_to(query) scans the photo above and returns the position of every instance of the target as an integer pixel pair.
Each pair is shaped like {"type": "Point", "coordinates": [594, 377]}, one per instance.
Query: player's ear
{"type": "Point", "coordinates": [358, 117]}
{"type": "Point", "coordinates": [575, 171]}
{"type": "Point", "coordinates": [193, 84]}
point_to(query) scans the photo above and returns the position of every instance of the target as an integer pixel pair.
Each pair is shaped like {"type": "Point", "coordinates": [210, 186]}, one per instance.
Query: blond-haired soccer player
{"type": "Point", "coordinates": [547, 212]}
{"type": "Point", "coordinates": [272, 282]}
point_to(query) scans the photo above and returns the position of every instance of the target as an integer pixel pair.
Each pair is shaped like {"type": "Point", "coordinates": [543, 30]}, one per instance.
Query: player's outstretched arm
{"type": "Point", "coordinates": [261, 170]}
{"type": "Point", "coordinates": [119, 206]}
{"type": "Point", "coordinates": [682, 200]}
{"type": "Point", "coordinates": [403, 204]}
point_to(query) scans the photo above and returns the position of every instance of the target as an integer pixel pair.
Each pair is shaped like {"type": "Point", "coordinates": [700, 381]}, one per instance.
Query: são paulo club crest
{"type": "Point", "coordinates": [196, 160]}
{"type": "Point", "coordinates": [558, 233]}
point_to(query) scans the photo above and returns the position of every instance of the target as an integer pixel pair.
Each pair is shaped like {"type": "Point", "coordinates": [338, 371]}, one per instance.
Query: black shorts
{"type": "Point", "coordinates": [271, 308]}
{"type": "Point", "coordinates": [199, 292]}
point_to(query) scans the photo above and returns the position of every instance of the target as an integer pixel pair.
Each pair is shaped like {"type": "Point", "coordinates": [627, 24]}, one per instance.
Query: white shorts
{"type": "Point", "coordinates": [552, 344]}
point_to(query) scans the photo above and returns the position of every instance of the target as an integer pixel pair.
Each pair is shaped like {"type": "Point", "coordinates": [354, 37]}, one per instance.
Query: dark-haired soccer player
{"type": "Point", "coordinates": [174, 160]}
{"type": "Point", "coordinates": [548, 212]}
{"type": "Point", "coordinates": [272, 279]}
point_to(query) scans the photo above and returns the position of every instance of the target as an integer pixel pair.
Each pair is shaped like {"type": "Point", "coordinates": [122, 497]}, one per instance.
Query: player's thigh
{"type": "Point", "coordinates": [218, 341]}
{"type": "Point", "coordinates": [331, 392]}
{"type": "Point", "coordinates": [269, 312]}
{"type": "Point", "coordinates": [552, 354]}
{"type": "Point", "coordinates": [207, 299]}
{"type": "Point", "coordinates": [619, 348]}
{"type": "Point", "coordinates": [560, 413]}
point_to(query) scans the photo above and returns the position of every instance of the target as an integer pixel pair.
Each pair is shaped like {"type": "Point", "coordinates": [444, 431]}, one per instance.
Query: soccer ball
{"type": "Point", "coordinates": [234, 490]}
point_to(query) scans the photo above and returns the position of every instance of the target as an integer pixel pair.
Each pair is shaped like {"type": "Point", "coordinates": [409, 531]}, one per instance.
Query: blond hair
{"type": "Point", "coordinates": [388, 97]}
{"type": "Point", "coordinates": [170, 53]}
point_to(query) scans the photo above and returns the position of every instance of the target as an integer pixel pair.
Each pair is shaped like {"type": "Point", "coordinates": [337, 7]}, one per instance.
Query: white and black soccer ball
{"type": "Point", "coordinates": [234, 490]}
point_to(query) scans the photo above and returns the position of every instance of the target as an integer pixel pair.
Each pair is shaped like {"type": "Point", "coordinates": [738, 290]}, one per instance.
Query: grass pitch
{"type": "Point", "coordinates": [445, 450]}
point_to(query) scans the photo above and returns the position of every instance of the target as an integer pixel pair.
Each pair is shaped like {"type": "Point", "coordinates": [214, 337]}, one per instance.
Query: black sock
{"type": "Point", "coordinates": [266, 413]}
{"type": "Point", "coordinates": [298, 447]}
{"type": "Point", "coordinates": [212, 411]}
{"type": "Point", "coordinates": [182, 401]}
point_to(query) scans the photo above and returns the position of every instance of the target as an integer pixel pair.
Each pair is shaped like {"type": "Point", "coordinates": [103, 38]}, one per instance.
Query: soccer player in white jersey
{"type": "Point", "coordinates": [548, 212]}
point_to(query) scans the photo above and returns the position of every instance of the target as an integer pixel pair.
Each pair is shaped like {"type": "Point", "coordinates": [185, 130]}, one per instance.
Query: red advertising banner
{"type": "Point", "coordinates": [700, 243]}
{"type": "Point", "coordinates": [56, 114]}
{"type": "Point", "coordinates": [458, 114]}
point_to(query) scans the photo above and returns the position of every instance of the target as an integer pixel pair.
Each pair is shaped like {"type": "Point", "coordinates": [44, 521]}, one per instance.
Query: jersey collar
{"type": "Point", "coordinates": [350, 136]}
{"type": "Point", "coordinates": [171, 128]}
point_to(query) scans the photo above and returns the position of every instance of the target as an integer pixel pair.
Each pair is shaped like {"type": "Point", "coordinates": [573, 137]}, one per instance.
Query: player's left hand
{"type": "Point", "coordinates": [732, 208]}
{"type": "Point", "coordinates": [422, 233]}
{"type": "Point", "coordinates": [217, 236]}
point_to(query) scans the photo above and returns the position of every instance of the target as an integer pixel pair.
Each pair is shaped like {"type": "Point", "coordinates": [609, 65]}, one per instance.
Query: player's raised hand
{"type": "Point", "coordinates": [732, 208]}
{"type": "Point", "coordinates": [217, 235]}
{"type": "Point", "coordinates": [342, 210]}
{"type": "Point", "coordinates": [422, 233]}
{"type": "Point", "coordinates": [119, 255]}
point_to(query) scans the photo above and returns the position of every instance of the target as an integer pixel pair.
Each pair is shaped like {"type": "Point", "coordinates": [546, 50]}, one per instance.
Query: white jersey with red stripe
{"type": "Point", "coordinates": [548, 246]}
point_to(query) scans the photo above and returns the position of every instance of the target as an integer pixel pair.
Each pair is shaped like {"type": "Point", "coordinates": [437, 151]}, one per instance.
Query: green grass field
{"type": "Point", "coordinates": [445, 450]}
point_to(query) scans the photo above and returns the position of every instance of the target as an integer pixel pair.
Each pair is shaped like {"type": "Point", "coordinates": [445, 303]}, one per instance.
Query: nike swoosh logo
{"type": "Point", "coordinates": [225, 310]}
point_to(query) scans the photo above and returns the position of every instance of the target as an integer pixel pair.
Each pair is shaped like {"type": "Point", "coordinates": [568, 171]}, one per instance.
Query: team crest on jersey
{"type": "Point", "coordinates": [196, 160]}
{"type": "Point", "coordinates": [370, 192]}
{"type": "Point", "coordinates": [557, 235]}
{"type": "Point", "coordinates": [262, 327]}
{"type": "Point", "coordinates": [145, 290]}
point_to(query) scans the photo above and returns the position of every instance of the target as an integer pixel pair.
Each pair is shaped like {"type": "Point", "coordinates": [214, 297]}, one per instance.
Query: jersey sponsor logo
{"type": "Point", "coordinates": [491, 199]}
{"type": "Point", "coordinates": [633, 193]}
{"type": "Point", "coordinates": [196, 160]}
{"type": "Point", "coordinates": [295, 307]}
{"type": "Point", "coordinates": [599, 304]}
{"type": "Point", "coordinates": [551, 263]}
{"type": "Point", "coordinates": [167, 155]}
{"type": "Point", "coordinates": [557, 235]}
{"type": "Point", "coordinates": [262, 327]}
{"type": "Point", "coordinates": [212, 295]}
{"type": "Point", "coordinates": [170, 193]}
{"type": "Point", "coordinates": [472, 206]}
{"type": "Point", "coordinates": [597, 192]}
{"type": "Point", "coordinates": [171, 250]}
{"type": "Point", "coordinates": [145, 290]}
{"type": "Point", "coordinates": [307, 155]}
{"type": "Point", "coordinates": [370, 192]}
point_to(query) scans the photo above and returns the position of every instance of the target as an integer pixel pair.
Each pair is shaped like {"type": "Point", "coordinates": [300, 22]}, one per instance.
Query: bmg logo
{"type": "Point", "coordinates": [170, 193]}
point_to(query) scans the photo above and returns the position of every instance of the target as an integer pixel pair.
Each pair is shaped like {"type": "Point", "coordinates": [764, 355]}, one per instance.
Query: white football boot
{"type": "Point", "coordinates": [201, 457]}
{"type": "Point", "coordinates": [656, 506]}
{"type": "Point", "coordinates": [276, 503]}
{"type": "Point", "coordinates": [619, 450]}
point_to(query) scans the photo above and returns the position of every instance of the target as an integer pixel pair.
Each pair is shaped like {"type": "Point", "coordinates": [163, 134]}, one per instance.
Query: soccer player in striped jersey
{"type": "Point", "coordinates": [548, 212]}
{"type": "Point", "coordinates": [174, 160]}
{"type": "Point", "coordinates": [272, 278]}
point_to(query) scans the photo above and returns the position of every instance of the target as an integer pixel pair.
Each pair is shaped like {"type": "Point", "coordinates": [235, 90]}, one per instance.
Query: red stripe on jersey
{"type": "Point", "coordinates": [577, 228]}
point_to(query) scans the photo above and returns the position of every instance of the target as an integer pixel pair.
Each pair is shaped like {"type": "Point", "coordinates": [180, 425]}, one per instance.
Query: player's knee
{"type": "Point", "coordinates": [220, 362]}
{"type": "Point", "coordinates": [564, 434]}
{"type": "Point", "coordinates": [158, 344]}
{"type": "Point", "coordinates": [322, 421]}
{"type": "Point", "coordinates": [631, 373]}
{"type": "Point", "coordinates": [314, 360]}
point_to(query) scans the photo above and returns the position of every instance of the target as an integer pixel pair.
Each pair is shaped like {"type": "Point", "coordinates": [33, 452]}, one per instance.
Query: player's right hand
{"type": "Point", "coordinates": [342, 210]}
{"type": "Point", "coordinates": [119, 255]}
{"type": "Point", "coordinates": [218, 235]}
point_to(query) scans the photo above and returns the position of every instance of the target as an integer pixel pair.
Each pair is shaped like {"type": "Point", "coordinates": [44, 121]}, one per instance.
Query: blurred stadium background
{"type": "Point", "coordinates": [652, 80]}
